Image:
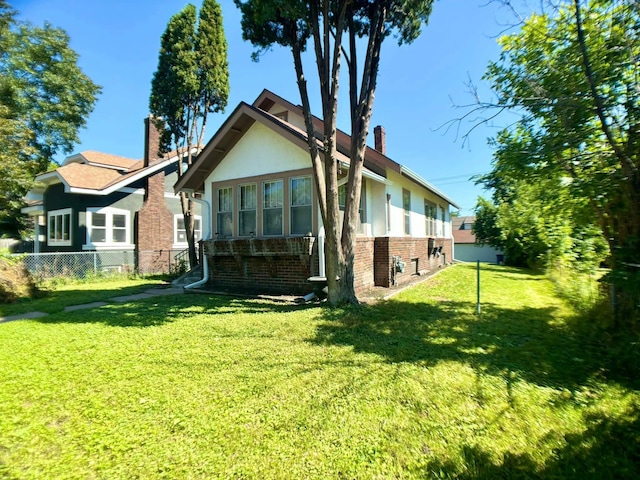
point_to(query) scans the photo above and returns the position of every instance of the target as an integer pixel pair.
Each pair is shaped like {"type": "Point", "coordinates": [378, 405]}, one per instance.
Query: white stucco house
{"type": "Point", "coordinates": [266, 229]}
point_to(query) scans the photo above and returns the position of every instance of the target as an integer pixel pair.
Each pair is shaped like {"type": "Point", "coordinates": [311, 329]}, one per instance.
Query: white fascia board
{"type": "Point", "coordinates": [120, 185]}
{"type": "Point", "coordinates": [75, 158]}
{"type": "Point", "coordinates": [414, 176]}
{"type": "Point", "coordinates": [33, 210]}
{"type": "Point", "coordinates": [49, 178]}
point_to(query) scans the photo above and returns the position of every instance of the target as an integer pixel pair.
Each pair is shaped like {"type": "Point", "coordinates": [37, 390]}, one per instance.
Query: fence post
{"type": "Point", "coordinates": [95, 264]}
{"type": "Point", "coordinates": [478, 281]}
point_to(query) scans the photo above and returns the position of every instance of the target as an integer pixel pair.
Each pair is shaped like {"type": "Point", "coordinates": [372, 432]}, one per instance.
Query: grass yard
{"type": "Point", "coordinates": [77, 292]}
{"type": "Point", "coordinates": [198, 386]}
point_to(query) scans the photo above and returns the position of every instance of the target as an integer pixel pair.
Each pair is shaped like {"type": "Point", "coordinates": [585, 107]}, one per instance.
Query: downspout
{"type": "Point", "coordinates": [203, 260]}
{"type": "Point", "coordinates": [321, 260]}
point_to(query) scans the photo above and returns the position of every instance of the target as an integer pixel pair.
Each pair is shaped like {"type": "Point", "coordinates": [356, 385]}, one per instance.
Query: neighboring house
{"type": "Point", "coordinates": [466, 247]}
{"type": "Point", "coordinates": [268, 235]}
{"type": "Point", "coordinates": [100, 202]}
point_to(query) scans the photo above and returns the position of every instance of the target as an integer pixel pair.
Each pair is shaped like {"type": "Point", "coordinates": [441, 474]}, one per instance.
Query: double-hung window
{"type": "Point", "coordinates": [108, 227]}
{"type": "Point", "coordinates": [225, 212]}
{"type": "Point", "coordinates": [272, 203]}
{"type": "Point", "coordinates": [247, 207]}
{"type": "Point", "coordinates": [59, 227]}
{"type": "Point", "coordinates": [180, 232]}
{"type": "Point", "coordinates": [430, 216]}
{"type": "Point", "coordinates": [301, 194]}
{"type": "Point", "coordinates": [342, 201]}
{"type": "Point", "coordinates": [406, 206]}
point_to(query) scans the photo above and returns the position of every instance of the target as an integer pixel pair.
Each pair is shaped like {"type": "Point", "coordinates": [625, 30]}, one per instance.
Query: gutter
{"type": "Point", "coordinates": [417, 178]}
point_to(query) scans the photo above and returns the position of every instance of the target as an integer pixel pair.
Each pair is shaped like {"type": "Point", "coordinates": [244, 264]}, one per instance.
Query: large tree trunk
{"type": "Point", "coordinates": [624, 233]}
{"type": "Point", "coordinates": [189, 223]}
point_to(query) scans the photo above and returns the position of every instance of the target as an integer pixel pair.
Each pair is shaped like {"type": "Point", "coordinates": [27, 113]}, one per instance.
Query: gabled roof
{"type": "Point", "coordinates": [462, 232]}
{"type": "Point", "coordinates": [245, 115]}
{"type": "Point", "coordinates": [96, 173]}
{"type": "Point", "coordinates": [91, 157]}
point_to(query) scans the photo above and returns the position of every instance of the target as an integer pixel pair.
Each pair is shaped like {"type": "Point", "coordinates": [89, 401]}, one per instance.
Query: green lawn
{"type": "Point", "coordinates": [198, 386]}
{"type": "Point", "coordinates": [76, 292]}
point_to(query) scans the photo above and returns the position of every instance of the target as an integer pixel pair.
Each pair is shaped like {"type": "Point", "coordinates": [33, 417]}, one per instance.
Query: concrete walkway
{"type": "Point", "coordinates": [152, 292]}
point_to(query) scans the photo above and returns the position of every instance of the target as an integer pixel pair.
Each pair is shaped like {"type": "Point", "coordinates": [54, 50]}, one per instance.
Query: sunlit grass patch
{"type": "Point", "coordinates": [199, 386]}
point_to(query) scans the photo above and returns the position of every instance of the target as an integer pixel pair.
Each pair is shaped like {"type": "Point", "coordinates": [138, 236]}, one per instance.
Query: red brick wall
{"type": "Point", "coordinates": [363, 268]}
{"type": "Point", "coordinates": [414, 252]}
{"type": "Point", "coordinates": [278, 265]}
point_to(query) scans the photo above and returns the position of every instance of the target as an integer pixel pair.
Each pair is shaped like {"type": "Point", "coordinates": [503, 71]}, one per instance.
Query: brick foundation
{"type": "Point", "coordinates": [420, 255]}
{"type": "Point", "coordinates": [278, 265]}
{"type": "Point", "coordinates": [283, 265]}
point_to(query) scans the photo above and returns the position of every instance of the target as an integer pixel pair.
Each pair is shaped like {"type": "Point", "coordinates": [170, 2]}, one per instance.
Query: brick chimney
{"type": "Point", "coordinates": [151, 141]}
{"type": "Point", "coordinates": [154, 226]}
{"type": "Point", "coordinates": [380, 140]}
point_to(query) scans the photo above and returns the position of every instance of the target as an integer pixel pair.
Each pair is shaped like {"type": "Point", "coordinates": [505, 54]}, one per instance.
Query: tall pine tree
{"type": "Point", "coordinates": [191, 81]}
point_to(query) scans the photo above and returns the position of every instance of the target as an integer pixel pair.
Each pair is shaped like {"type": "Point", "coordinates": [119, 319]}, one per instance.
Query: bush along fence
{"type": "Point", "coordinates": [104, 262]}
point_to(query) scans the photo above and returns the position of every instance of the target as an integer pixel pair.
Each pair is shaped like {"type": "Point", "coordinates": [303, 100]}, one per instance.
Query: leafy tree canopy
{"type": "Point", "coordinates": [573, 74]}
{"type": "Point", "coordinates": [45, 99]}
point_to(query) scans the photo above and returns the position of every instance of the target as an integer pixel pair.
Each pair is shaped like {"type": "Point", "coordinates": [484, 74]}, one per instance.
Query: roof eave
{"type": "Point", "coordinates": [421, 181]}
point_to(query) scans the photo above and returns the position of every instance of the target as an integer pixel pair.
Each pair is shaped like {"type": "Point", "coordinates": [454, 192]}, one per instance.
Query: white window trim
{"type": "Point", "coordinates": [109, 245]}
{"type": "Point", "coordinates": [176, 217]}
{"type": "Point", "coordinates": [55, 213]}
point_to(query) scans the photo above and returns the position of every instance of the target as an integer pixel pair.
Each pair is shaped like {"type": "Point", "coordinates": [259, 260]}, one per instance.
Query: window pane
{"type": "Point", "coordinates": [98, 220]}
{"type": "Point", "coordinates": [52, 228]}
{"type": "Point", "coordinates": [272, 221]}
{"type": "Point", "coordinates": [300, 220]}
{"type": "Point", "coordinates": [247, 223]}
{"type": "Point", "coordinates": [58, 227]}
{"type": "Point", "coordinates": [66, 226]}
{"type": "Point", "coordinates": [225, 224]}
{"type": "Point", "coordinates": [119, 221]}
{"type": "Point", "coordinates": [301, 191]}
{"type": "Point", "coordinates": [98, 235]}
{"type": "Point", "coordinates": [180, 222]}
{"type": "Point", "coordinates": [248, 198]}
{"type": "Point", "coordinates": [119, 235]}
{"type": "Point", "coordinates": [273, 194]}
{"type": "Point", "coordinates": [225, 199]}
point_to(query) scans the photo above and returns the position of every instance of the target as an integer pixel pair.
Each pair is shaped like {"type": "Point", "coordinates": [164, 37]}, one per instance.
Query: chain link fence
{"type": "Point", "coordinates": [105, 262]}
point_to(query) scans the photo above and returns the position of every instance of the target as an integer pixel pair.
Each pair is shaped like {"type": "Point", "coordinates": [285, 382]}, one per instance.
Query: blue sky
{"type": "Point", "coordinates": [418, 85]}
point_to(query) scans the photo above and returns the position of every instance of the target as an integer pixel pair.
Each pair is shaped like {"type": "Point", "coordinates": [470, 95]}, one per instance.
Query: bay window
{"type": "Point", "coordinates": [59, 227]}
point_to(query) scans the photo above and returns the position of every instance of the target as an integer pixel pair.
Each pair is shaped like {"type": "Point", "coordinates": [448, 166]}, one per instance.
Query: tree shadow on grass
{"type": "Point", "coordinates": [608, 449]}
{"type": "Point", "coordinates": [525, 343]}
{"type": "Point", "coordinates": [155, 311]}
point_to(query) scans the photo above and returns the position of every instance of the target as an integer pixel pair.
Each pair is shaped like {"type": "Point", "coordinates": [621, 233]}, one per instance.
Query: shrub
{"type": "Point", "coordinates": [15, 281]}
